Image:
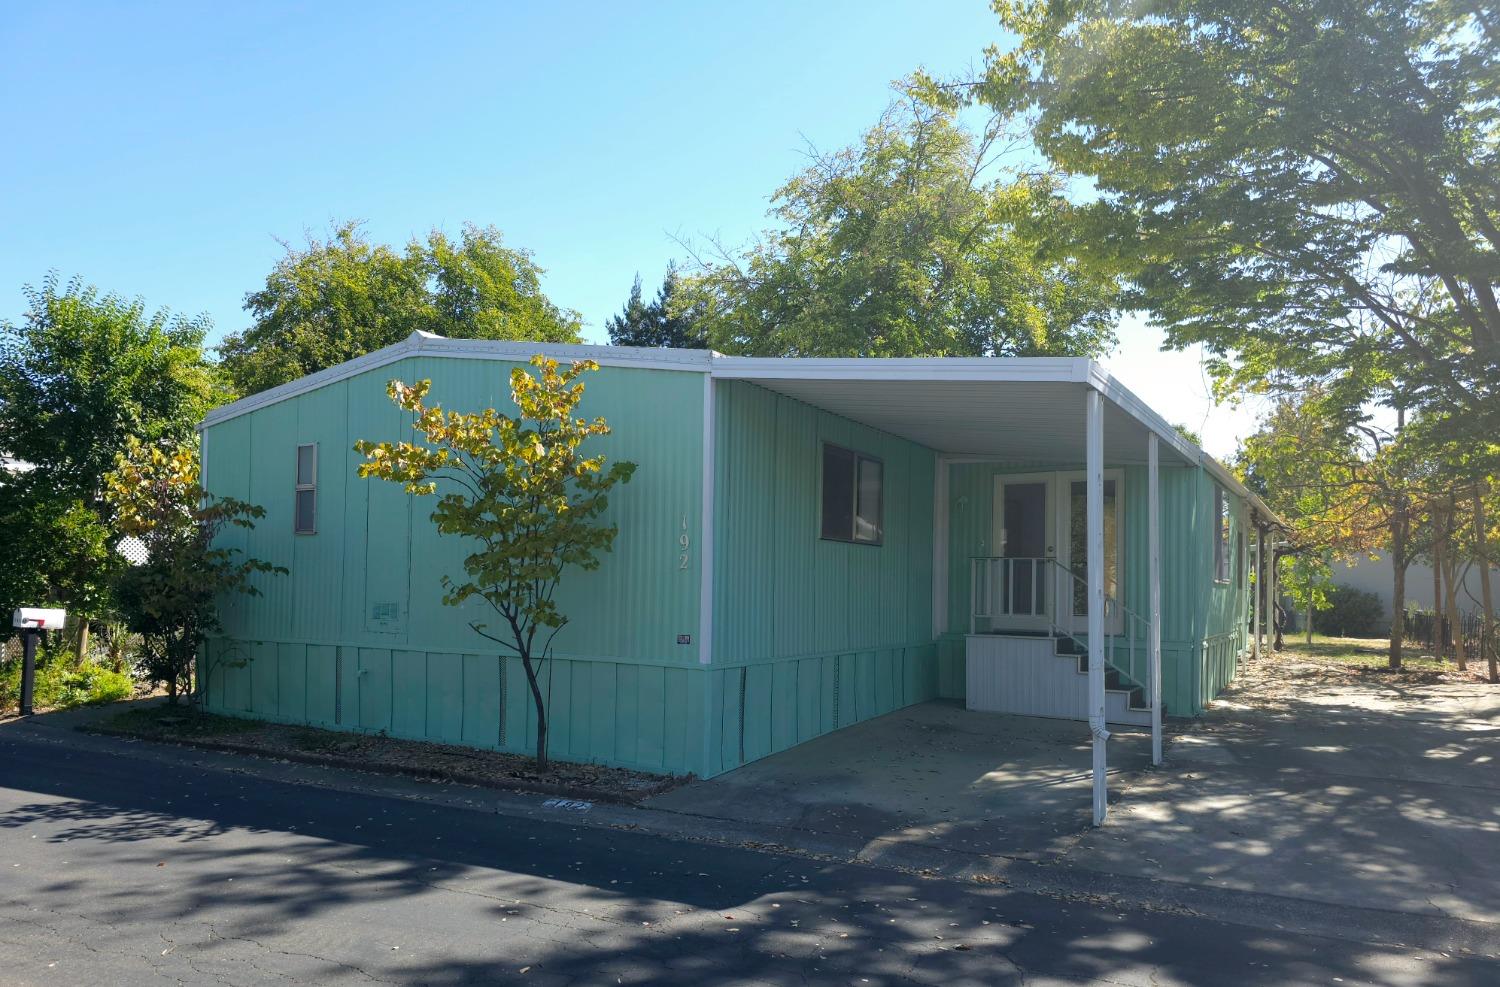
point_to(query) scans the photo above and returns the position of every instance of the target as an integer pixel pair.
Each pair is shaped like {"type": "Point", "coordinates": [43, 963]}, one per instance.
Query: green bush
{"type": "Point", "coordinates": [1351, 613]}
{"type": "Point", "coordinates": [59, 685]}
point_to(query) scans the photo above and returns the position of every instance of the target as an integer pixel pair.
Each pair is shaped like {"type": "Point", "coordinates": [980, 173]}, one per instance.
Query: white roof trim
{"type": "Point", "coordinates": [1121, 395]}
{"type": "Point", "coordinates": [1077, 370]}
{"type": "Point", "coordinates": [1028, 369]}
{"type": "Point", "coordinates": [427, 344]}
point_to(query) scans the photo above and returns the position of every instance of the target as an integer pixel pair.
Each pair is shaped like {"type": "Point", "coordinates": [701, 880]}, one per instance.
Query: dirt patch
{"type": "Point", "coordinates": [386, 755]}
{"type": "Point", "coordinates": [1334, 667]}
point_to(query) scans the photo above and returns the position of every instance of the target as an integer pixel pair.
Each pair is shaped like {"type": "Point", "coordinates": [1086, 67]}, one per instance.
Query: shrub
{"type": "Point", "coordinates": [60, 685]}
{"type": "Point", "coordinates": [87, 686]}
{"type": "Point", "coordinates": [1351, 613]}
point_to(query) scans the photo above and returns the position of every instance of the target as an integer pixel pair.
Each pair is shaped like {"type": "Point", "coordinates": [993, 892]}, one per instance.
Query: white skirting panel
{"type": "Point", "coordinates": [1025, 675]}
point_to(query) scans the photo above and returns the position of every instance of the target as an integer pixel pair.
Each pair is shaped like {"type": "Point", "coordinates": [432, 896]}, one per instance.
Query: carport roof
{"type": "Point", "coordinates": [1024, 409]}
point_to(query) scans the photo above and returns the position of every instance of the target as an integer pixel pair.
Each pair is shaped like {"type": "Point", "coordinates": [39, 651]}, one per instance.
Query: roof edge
{"type": "Point", "coordinates": [1000, 369]}
{"type": "Point", "coordinates": [1109, 385]}
{"type": "Point", "coordinates": [421, 343]}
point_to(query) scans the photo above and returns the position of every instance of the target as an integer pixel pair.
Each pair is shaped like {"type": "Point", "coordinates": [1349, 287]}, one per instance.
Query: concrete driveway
{"type": "Point", "coordinates": [1308, 783]}
{"type": "Point", "coordinates": [1311, 780]}
{"type": "Point", "coordinates": [935, 775]}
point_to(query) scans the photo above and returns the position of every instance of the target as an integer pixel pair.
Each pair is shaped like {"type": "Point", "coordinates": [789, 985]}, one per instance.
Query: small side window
{"type": "Point", "coordinates": [853, 491]}
{"type": "Point", "coordinates": [306, 510]}
{"type": "Point", "coordinates": [1221, 535]}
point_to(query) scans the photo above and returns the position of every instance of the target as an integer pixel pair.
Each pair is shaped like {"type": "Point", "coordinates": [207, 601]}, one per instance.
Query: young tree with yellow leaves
{"type": "Point", "coordinates": [521, 491]}
{"type": "Point", "coordinates": [171, 599]}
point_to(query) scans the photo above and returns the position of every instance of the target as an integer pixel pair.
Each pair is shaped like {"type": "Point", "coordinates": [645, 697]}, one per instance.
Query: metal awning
{"type": "Point", "coordinates": [1027, 410]}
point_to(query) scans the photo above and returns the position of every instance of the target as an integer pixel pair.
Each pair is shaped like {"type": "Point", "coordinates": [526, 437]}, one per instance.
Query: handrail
{"type": "Point", "coordinates": [993, 593]}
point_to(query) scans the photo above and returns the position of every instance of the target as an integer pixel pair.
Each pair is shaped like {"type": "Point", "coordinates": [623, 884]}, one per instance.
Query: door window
{"type": "Point", "coordinates": [1079, 547]}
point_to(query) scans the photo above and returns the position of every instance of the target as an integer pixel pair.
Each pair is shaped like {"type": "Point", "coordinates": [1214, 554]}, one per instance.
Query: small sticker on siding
{"type": "Point", "coordinates": [684, 639]}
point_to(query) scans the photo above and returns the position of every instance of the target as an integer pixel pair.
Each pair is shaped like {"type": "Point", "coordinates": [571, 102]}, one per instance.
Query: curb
{"type": "Point", "coordinates": [379, 767]}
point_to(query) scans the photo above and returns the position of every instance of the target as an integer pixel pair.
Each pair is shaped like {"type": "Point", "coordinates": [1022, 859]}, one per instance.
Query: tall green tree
{"type": "Point", "coordinates": [1310, 188]}
{"type": "Point", "coordinates": [81, 374]}
{"type": "Point", "coordinates": [663, 321]}
{"type": "Point", "coordinates": [901, 246]}
{"type": "Point", "coordinates": [336, 299]}
{"type": "Point", "coordinates": [522, 492]}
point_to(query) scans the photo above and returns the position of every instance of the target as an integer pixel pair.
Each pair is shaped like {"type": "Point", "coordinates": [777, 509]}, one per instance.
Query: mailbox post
{"type": "Point", "coordinates": [32, 621]}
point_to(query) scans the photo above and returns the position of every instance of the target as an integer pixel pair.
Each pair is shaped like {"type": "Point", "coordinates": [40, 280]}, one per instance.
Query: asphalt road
{"type": "Point", "coordinates": [121, 869]}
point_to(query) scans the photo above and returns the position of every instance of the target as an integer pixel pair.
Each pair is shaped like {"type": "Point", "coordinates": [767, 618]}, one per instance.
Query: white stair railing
{"type": "Point", "coordinates": [1010, 587]}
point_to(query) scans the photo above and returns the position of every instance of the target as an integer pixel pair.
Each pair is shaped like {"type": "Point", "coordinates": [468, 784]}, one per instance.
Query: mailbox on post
{"type": "Point", "coordinates": [32, 621]}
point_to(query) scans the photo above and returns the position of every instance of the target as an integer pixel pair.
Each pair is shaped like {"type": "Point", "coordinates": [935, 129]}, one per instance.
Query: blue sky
{"type": "Point", "coordinates": [162, 150]}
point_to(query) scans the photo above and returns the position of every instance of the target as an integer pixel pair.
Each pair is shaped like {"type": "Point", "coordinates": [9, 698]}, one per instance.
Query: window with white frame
{"type": "Point", "coordinates": [305, 521]}
{"type": "Point", "coordinates": [1221, 535]}
{"type": "Point", "coordinates": [853, 491]}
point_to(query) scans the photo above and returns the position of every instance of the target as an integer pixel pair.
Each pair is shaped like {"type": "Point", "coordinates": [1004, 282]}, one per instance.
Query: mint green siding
{"type": "Point", "coordinates": [824, 633]}
{"type": "Point", "coordinates": [355, 635]}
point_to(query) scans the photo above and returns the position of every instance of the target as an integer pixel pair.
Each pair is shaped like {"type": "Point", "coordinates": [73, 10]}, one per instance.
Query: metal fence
{"type": "Point", "coordinates": [1436, 635]}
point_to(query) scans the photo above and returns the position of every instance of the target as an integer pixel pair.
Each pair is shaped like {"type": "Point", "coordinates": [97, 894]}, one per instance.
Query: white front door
{"type": "Point", "coordinates": [1073, 551]}
{"type": "Point", "coordinates": [1025, 537]}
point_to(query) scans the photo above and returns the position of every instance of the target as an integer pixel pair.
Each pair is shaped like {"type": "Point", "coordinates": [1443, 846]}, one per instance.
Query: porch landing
{"type": "Point", "coordinates": [932, 774]}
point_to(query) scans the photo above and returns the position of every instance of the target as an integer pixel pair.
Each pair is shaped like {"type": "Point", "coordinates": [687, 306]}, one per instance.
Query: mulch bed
{"type": "Point", "coordinates": [385, 755]}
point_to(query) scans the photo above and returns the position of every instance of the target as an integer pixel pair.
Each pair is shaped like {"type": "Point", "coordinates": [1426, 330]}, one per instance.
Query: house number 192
{"type": "Point", "coordinates": [684, 542]}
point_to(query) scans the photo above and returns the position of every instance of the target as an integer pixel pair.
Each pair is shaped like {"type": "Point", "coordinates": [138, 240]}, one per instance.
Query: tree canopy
{"type": "Point", "coordinates": [901, 246]}
{"type": "Point", "coordinates": [339, 298]}
{"type": "Point", "coordinates": [1310, 188]}
{"type": "Point", "coordinates": [659, 322]}
{"type": "Point", "coordinates": [81, 375]}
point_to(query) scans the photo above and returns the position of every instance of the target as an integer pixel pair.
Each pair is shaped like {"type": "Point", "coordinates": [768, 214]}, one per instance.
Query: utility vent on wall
{"type": "Point", "coordinates": [385, 616]}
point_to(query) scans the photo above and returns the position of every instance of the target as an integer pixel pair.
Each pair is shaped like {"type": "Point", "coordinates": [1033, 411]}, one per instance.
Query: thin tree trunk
{"type": "Point", "coordinates": [1309, 615]}
{"type": "Point", "coordinates": [1398, 613]}
{"type": "Point", "coordinates": [83, 642]}
{"type": "Point", "coordinates": [1439, 639]}
{"type": "Point", "coordinates": [542, 763]}
{"type": "Point", "coordinates": [1482, 554]}
{"type": "Point", "coordinates": [1450, 595]}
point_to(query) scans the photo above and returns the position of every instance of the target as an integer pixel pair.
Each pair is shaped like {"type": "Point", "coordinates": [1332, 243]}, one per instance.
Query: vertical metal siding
{"type": "Point", "coordinates": [816, 634]}
{"type": "Point", "coordinates": [781, 590]}
{"type": "Point", "coordinates": [310, 650]}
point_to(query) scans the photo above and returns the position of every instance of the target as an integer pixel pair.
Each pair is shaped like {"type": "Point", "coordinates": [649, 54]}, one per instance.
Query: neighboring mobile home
{"type": "Point", "coordinates": [806, 544]}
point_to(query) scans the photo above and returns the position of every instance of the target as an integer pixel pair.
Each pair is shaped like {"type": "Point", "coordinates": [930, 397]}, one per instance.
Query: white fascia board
{"type": "Point", "coordinates": [1011, 369]}
{"type": "Point", "coordinates": [427, 344]}
{"type": "Point", "coordinates": [1106, 384]}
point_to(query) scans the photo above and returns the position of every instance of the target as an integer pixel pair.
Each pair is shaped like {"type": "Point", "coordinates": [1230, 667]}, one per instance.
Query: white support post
{"type": "Point", "coordinates": [706, 533]}
{"type": "Point", "coordinates": [1094, 464]}
{"type": "Point", "coordinates": [1153, 496]}
{"type": "Point", "coordinates": [1271, 597]}
{"type": "Point", "coordinates": [1255, 595]}
{"type": "Point", "coordinates": [940, 549]}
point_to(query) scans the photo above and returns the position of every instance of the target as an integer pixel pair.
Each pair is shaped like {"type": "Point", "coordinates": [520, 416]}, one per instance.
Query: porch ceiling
{"type": "Point", "coordinates": [1039, 422]}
